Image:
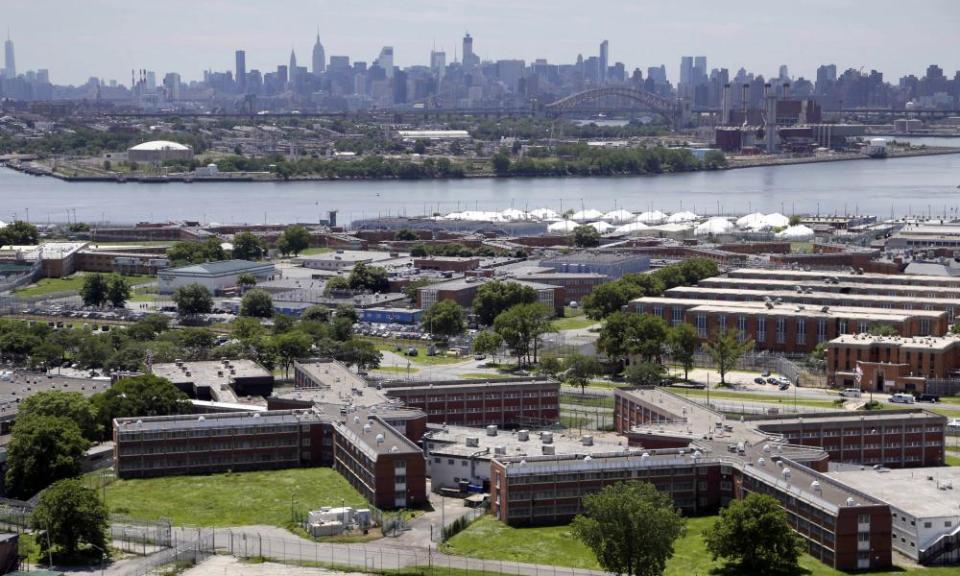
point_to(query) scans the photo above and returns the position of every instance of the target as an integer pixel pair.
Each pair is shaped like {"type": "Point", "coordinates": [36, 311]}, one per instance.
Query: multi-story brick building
{"type": "Point", "coordinates": [377, 460]}
{"type": "Point", "coordinates": [464, 290]}
{"type": "Point", "coordinates": [891, 364]}
{"type": "Point", "coordinates": [907, 287]}
{"type": "Point", "coordinates": [791, 328]}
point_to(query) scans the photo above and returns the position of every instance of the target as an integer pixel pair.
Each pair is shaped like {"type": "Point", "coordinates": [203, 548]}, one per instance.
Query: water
{"type": "Point", "coordinates": [915, 185]}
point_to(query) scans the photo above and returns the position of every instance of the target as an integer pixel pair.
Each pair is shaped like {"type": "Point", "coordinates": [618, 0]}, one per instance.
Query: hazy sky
{"type": "Point", "coordinates": [77, 39]}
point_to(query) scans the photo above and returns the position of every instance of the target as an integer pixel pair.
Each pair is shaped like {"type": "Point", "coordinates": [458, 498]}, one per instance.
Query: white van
{"type": "Point", "coordinates": [903, 398]}
{"type": "Point", "coordinates": [850, 393]}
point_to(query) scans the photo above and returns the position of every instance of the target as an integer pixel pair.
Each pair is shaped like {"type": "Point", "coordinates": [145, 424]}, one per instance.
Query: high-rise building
{"type": "Point", "coordinates": [241, 72]}
{"type": "Point", "coordinates": [686, 70]}
{"type": "Point", "coordinates": [319, 57]}
{"type": "Point", "coordinates": [385, 60]}
{"type": "Point", "coordinates": [604, 61]}
{"type": "Point", "coordinates": [438, 62]}
{"type": "Point", "coordinates": [292, 70]}
{"type": "Point", "coordinates": [9, 62]}
{"type": "Point", "coordinates": [470, 59]}
{"type": "Point", "coordinates": [171, 83]}
{"type": "Point", "coordinates": [151, 80]}
{"type": "Point", "coordinates": [784, 73]}
{"type": "Point", "coordinates": [699, 70]}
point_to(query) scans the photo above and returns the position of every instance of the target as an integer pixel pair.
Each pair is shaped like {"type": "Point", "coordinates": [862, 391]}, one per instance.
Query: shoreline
{"type": "Point", "coordinates": [757, 162]}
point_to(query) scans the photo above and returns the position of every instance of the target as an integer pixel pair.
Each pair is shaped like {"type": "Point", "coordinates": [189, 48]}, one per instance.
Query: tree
{"type": "Point", "coordinates": [795, 220]}
{"type": "Point", "coordinates": [883, 330]}
{"type": "Point", "coordinates": [550, 365]}
{"type": "Point", "coordinates": [95, 290]}
{"type": "Point", "coordinates": [725, 349]}
{"type": "Point", "coordinates": [294, 240]}
{"type": "Point", "coordinates": [683, 341]}
{"type": "Point", "coordinates": [315, 313]}
{"type": "Point", "coordinates": [43, 449]}
{"type": "Point", "coordinates": [19, 233]}
{"type": "Point", "coordinates": [248, 246]}
{"type": "Point", "coordinates": [714, 159]}
{"type": "Point", "coordinates": [420, 146]}
{"type": "Point", "coordinates": [72, 405]}
{"type": "Point", "coordinates": [372, 278]}
{"type": "Point", "coordinates": [256, 304]}
{"type": "Point", "coordinates": [586, 237]}
{"type": "Point", "coordinates": [487, 342]}
{"type": "Point", "coordinates": [754, 533]}
{"type": "Point", "coordinates": [494, 297]}
{"type": "Point", "coordinates": [444, 318]}
{"type": "Point", "coordinates": [246, 329]}
{"type": "Point", "coordinates": [246, 280]}
{"type": "Point", "coordinates": [645, 373]}
{"type": "Point", "coordinates": [71, 514]}
{"type": "Point", "coordinates": [501, 163]}
{"type": "Point", "coordinates": [610, 298]}
{"type": "Point", "coordinates": [580, 369]}
{"type": "Point", "coordinates": [646, 337]}
{"type": "Point", "coordinates": [522, 327]}
{"type": "Point", "coordinates": [292, 346]}
{"type": "Point", "coordinates": [335, 284]}
{"type": "Point", "coordinates": [362, 353]}
{"type": "Point", "coordinates": [145, 395]}
{"type": "Point", "coordinates": [118, 291]}
{"type": "Point", "coordinates": [193, 299]}
{"type": "Point", "coordinates": [405, 235]}
{"type": "Point", "coordinates": [347, 311]}
{"type": "Point", "coordinates": [631, 528]}
{"type": "Point", "coordinates": [18, 345]}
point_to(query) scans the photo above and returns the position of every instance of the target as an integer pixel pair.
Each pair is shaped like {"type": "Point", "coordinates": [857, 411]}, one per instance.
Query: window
{"type": "Point", "coordinates": [781, 330]}
{"type": "Point", "coordinates": [677, 315]}
{"type": "Point", "coordinates": [821, 330]}
{"type": "Point", "coordinates": [722, 321]}
{"type": "Point", "coordinates": [702, 325]}
{"type": "Point", "coordinates": [924, 326]}
{"type": "Point", "coordinates": [801, 331]}
{"type": "Point", "coordinates": [864, 326]}
{"type": "Point", "coordinates": [762, 329]}
{"type": "Point", "coordinates": [842, 328]}
{"type": "Point", "coordinates": [742, 327]}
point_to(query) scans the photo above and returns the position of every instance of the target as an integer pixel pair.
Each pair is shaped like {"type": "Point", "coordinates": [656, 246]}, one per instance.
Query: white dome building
{"type": "Point", "coordinates": [679, 217]}
{"type": "Point", "coordinates": [714, 226]}
{"type": "Point", "coordinates": [159, 151]}
{"type": "Point", "coordinates": [514, 214]}
{"type": "Point", "coordinates": [562, 227]}
{"type": "Point", "coordinates": [619, 216]}
{"type": "Point", "coordinates": [601, 226]}
{"type": "Point", "coordinates": [751, 221]}
{"type": "Point", "coordinates": [587, 215]}
{"type": "Point", "coordinates": [544, 214]}
{"type": "Point", "coordinates": [632, 228]}
{"type": "Point", "coordinates": [776, 220]}
{"type": "Point", "coordinates": [654, 217]}
{"type": "Point", "coordinates": [796, 233]}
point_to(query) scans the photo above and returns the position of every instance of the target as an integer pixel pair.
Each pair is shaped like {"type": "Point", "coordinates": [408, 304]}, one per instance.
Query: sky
{"type": "Point", "coordinates": [77, 39]}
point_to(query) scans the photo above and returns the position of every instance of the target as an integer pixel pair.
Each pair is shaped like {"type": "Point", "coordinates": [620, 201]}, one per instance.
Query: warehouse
{"type": "Point", "coordinates": [214, 276]}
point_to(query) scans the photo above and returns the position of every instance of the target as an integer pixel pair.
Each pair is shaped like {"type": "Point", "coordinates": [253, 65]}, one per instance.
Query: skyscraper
{"type": "Point", "coordinates": [241, 72]}
{"type": "Point", "coordinates": [292, 70]}
{"type": "Point", "coordinates": [470, 60]}
{"type": "Point", "coordinates": [385, 60]}
{"type": "Point", "coordinates": [9, 62]}
{"type": "Point", "coordinates": [604, 61]}
{"type": "Point", "coordinates": [319, 57]}
{"type": "Point", "coordinates": [686, 70]}
{"type": "Point", "coordinates": [438, 62]}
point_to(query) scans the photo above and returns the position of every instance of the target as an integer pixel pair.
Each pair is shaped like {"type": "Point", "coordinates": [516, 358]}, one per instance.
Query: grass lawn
{"type": "Point", "coordinates": [591, 401]}
{"type": "Point", "coordinates": [575, 323]}
{"type": "Point", "coordinates": [314, 251]}
{"type": "Point", "coordinates": [479, 375]}
{"type": "Point", "coordinates": [421, 357]}
{"type": "Point", "coordinates": [71, 283]}
{"type": "Point", "coordinates": [489, 539]}
{"type": "Point", "coordinates": [748, 397]}
{"type": "Point", "coordinates": [235, 499]}
{"type": "Point", "coordinates": [952, 459]}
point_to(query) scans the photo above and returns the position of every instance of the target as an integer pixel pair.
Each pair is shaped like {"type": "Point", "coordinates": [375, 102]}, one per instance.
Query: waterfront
{"type": "Point", "coordinates": [919, 185]}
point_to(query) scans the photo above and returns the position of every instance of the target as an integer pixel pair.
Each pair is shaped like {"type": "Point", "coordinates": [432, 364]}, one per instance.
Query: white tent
{"type": "Point", "coordinates": [678, 217]}
{"type": "Point", "coordinates": [715, 225]}
{"type": "Point", "coordinates": [672, 228]}
{"type": "Point", "coordinates": [562, 227]}
{"type": "Point", "coordinates": [751, 221]}
{"type": "Point", "coordinates": [619, 216]}
{"type": "Point", "coordinates": [631, 228]}
{"type": "Point", "coordinates": [601, 226]}
{"type": "Point", "coordinates": [587, 215]}
{"type": "Point", "coordinates": [514, 214]}
{"type": "Point", "coordinates": [776, 220]}
{"type": "Point", "coordinates": [796, 233]}
{"type": "Point", "coordinates": [544, 214]}
{"type": "Point", "coordinates": [655, 217]}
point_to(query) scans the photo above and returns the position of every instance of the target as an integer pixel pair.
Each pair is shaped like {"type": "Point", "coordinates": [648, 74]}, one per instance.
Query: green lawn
{"type": "Point", "coordinates": [232, 499]}
{"type": "Point", "coordinates": [748, 397]}
{"type": "Point", "coordinates": [479, 375]}
{"type": "Point", "coordinates": [314, 251]}
{"type": "Point", "coordinates": [591, 401]}
{"type": "Point", "coordinates": [575, 323]}
{"type": "Point", "coordinates": [952, 459]}
{"type": "Point", "coordinates": [421, 357]}
{"type": "Point", "coordinates": [71, 283]}
{"type": "Point", "coordinates": [555, 545]}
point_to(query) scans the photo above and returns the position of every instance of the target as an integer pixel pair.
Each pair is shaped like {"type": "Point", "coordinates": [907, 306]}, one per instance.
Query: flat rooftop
{"type": "Point", "coordinates": [819, 285]}
{"type": "Point", "coordinates": [844, 277]}
{"type": "Point", "coordinates": [348, 256]}
{"type": "Point", "coordinates": [210, 372]}
{"type": "Point", "coordinates": [452, 440]}
{"type": "Point", "coordinates": [788, 308]}
{"type": "Point", "coordinates": [916, 491]}
{"type": "Point", "coordinates": [336, 384]}
{"type": "Point", "coordinates": [941, 343]}
{"type": "Point", "coordinates": [224, 267]}
{"type": "Point", "coordinates": [793, 295]}
{"type": "Point", "coordinates": [217, 421]}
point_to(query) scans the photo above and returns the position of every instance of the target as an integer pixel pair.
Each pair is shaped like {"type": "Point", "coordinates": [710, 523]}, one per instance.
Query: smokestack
{"type": "Point", "coordinates": [726, 104]}
{"type": "Point", "coordinates": [744, 97]}
{"type": "Point", "coordinates": [770, 120]}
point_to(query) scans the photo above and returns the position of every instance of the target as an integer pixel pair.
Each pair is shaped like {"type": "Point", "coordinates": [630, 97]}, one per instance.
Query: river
{"type": "Point", "coordinates": [927, 184]}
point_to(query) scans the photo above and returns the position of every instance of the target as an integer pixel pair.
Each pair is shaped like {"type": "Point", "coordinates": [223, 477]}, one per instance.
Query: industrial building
{"type": "Point", "coordinates": [159, 151]}
{"type": "Point", "coordinates": [611, 265]}
{"type": "Point", "coordinates": [214, 276]}
{"type": "Point", "coordinates": [220, 381]}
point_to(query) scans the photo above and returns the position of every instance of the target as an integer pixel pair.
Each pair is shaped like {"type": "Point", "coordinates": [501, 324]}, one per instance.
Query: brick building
{"type": "Point", "coordinates": [891, 364]}
{"type": "Point", "coordinates": [219, 380]}
{"type": "Point", "coordinates": [446, 264]}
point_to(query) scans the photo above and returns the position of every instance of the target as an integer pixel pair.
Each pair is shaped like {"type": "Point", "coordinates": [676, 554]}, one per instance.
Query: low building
{"type": "Point", "coordinates": [890, 363]}
{"type": "Point", "coordinates": [464, 290]}
{"type": "Point", "coordinates": [447, 263]}
{"type": "Point", "coordinates": [220, 381]}
{"type": "Point", "coordinates": [390, 315]}
{"type": "Point", "coordinates": [215, 276]}
{"type": "Point", "coordinates": [611, 265]}
{"type": "Point", "coordinates": [575, 286]}
{"type": "Point", "coordinates": [159, 151]}
{"type": "Point", "coordinates": [342, 259]}
{"type": "Point", "coordinates": [925, 508]}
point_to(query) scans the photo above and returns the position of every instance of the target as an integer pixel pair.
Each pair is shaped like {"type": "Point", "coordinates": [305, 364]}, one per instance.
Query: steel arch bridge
{"type": "Point", "coordinates": [665, 106]}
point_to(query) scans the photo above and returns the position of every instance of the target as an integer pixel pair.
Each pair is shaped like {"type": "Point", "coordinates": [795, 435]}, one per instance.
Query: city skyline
{"type": "Point", "coordinates": [111, 43]}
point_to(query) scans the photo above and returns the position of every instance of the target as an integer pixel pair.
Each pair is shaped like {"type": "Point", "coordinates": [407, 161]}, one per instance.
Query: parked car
{"type": "Point", "coordinates": [412, 351]}
{"type": "Point", "coordinates": [772, 380]}
{"type": "Point", "coordinates": [933, 398]}
{"type": "Point", "coordinates": [900, 398]}
{"type": "Point", "coordinates": [850, 393]}
{"type": "Point", "coordinates": [759, 380]}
